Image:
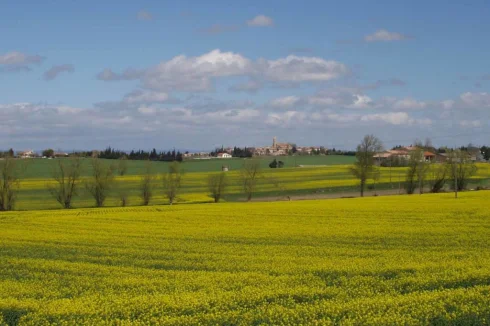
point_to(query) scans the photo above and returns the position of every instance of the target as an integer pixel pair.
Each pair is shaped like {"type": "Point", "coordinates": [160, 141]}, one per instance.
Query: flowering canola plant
{"type": "Point", "coordinates": [272, 182]}
{"type": "Point", "coordinates": [411, 260]}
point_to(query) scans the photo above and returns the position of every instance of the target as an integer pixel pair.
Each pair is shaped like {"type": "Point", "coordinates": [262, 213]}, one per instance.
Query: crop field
{"type": "Point", "coordinates": [334, 179]}
{"type": "Point", "coordinates": [405, 260]}
{"type": "Point", "coordinates": [42, 168]}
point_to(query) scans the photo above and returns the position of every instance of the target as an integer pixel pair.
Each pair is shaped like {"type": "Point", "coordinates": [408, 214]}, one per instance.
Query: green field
{"type": "Point", "coordinates": [405, 260]}
{"type": "Point", "coordinates": [43, 168]}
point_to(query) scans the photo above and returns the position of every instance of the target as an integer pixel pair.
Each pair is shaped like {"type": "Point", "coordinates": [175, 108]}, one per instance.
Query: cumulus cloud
{"type": "Point", "coordinates": [382, 35]}
{"type": "Point", "coordinates": [195, 73]}
{"type": "Point", "coordinates": [475, 100]}
{"type": "Point", "coordinates": [300, 69]}
{"type": "Point", "coordinates": [260, 21]}
{"type": "Point", "coordinates": [54, 71]}
{"type": "Point", "coordinates": [353, 120]}
{"type": "Point", "coordinates": [147, 110]}
{"type": "Point", "coordinates": [286, 101]}
{"type": "Point", "coordinates": [18, 61]}
{"type": "Point", "coordinates": [470, 123]}
{"type": "Point", "coordinates": [144, 15]}
{"type": "Point", "coordinates": [142, 96]}
{"type": "Point", "coordinates": [351, 98]}
{"type": "Point", "coordinates": [250, 86]}
{"type": "Point", "coordinates": [471, 101]}
{"type": "Point", "coordinates": [396, 118]}
{"type": "Point", "coordinates": [288, 118]}
{"type": "Point", "coordinates": [408, 104]}
{"type": "Point", "coordinates": [183, 73]}
{"type": "Point", "coordinates": [361, 102]}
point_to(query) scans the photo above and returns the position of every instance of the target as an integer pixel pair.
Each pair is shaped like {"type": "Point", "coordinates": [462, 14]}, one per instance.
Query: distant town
{"type": "Point", "coordinates": [394, 157]}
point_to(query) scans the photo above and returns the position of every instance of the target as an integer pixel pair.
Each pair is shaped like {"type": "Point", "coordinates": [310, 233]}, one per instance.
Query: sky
{"type": "Point", "coordinates": [199, 74]}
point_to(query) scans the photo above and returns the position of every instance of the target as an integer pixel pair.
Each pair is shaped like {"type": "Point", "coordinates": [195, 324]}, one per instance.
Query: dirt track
{"type": "Point", "coordinates": [368, 193]}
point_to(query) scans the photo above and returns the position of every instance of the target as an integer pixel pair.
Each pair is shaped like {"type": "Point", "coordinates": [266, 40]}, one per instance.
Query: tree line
{"type": "Point", "coordinates": [245, 152]}
{"type": "Point", "coordinates": [153, 155]}
{"type": "Point", "coordinates": [67, 182]}
{"type": "Point", "coordinates": [456, 171]}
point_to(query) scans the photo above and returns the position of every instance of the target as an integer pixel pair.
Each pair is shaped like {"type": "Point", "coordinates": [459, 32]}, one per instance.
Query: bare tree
{"type": "Point", "coordinates": [416, 172]}
{"type": "Point", "coordinates": [217, 184]}
{"type": "Point", "coordinates": [461, 169]}
{"type": "Point", "coordinates": [411, 177]}
{"type": "Point", "coordinates": [122, 166]}
{"type": "Point", "coordinates": [122, 169]}
{"type": "Point", "coordinates": [10, 171]}
{"type": "Point", "coordinates": [422, 170]}
{"type": "Point", "coordinates": [365, 164]}
{"type": "Point", "coordinates": [428, 145]}
{"type": "Point", "coordinates": [172, 181]}
{"type": "Point", "coordinates": [250, 174]}
{"type": "Point", "coordinates": [66, 175]}
{"type": "Point", "coordinates": [439, 174]}
{"type": "Point", "coordinates": [147, 184]}
{"type": "Point", "coordinates": [124, 200]}
{"type": "Point", "coordinates": [101, 182]}
{"type": "Point", "coordinates": [375, 176]}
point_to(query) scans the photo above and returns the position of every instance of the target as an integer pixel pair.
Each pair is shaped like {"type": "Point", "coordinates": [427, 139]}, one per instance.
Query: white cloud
{"type": "Point", "coordinates": [288, 118]}
{"type": "Point", "coordinates": [343, 118]}
{"type": "Point", "coordinates": [448, 104]}
{"type": "Point", "coordinates": [349, 98]}
{"type": "Point", "coordinates": [286, 101]}
{"type": "Point", "coordinates": [301, 69]}
{"type": "Point", "coordinates": [63, 109]}
{"type": "Point", "coordinates": [144, 15]}
{"type": "Point", "coordinates": [250, 86]}
{"type": "Point", "coordinates": [395, 118]}
{"type": "Point", "coordinates": [260, 21]}
{"type": "Point", "coordinates": [322, 101]}
{"type": "Point", "coordinates": [361, 102]}
{"type": "Point", "coordinates": [385, 36]}
{"type": "Point", "coordinates": [142, 96]}
{"type": "Point", "coordinates": [475, 100]}
{"type": "Point", "coordinates": [147, 110]}
{"type": "Point", "coordinates": [193, 74]}
{"type": "Point", "coordinates": [470, 123]}
{"type": "Point", "coordinates": [408, 104]}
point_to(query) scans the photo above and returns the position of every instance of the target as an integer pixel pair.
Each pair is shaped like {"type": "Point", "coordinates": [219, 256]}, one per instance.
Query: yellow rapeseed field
{"type": "Point", "coordinates": [335, 179]}
{"type": "Point", "coordinates": [406, 260]}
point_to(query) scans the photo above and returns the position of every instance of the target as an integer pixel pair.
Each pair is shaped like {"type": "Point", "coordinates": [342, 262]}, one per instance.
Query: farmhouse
{"type": "Point", "coordinates": [60, 154]}
{"type": "Point", "coordinates": [402, 154]}
{"type": "Point", "coordinates": [26, 154]}
{"type": "Point", "coordinates": [224, 155]}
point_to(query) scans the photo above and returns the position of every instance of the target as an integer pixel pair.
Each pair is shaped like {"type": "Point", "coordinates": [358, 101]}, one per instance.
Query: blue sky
{"type": "Point", "coordinates": [196, 74]}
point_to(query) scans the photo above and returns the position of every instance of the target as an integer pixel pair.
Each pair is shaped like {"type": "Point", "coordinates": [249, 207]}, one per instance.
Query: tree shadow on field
{"type": "Point", "coordinates": [12, 316]}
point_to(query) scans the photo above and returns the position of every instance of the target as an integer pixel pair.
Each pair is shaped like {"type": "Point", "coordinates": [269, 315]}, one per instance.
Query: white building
{"type": "Point", "coordinates": [26, 154]}
{"type": "Point", "coordinates": [224, 155]}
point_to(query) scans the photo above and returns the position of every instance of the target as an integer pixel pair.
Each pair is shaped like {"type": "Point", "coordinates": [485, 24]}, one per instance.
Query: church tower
{"type": "Point", "coordinates": [274, 142]}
